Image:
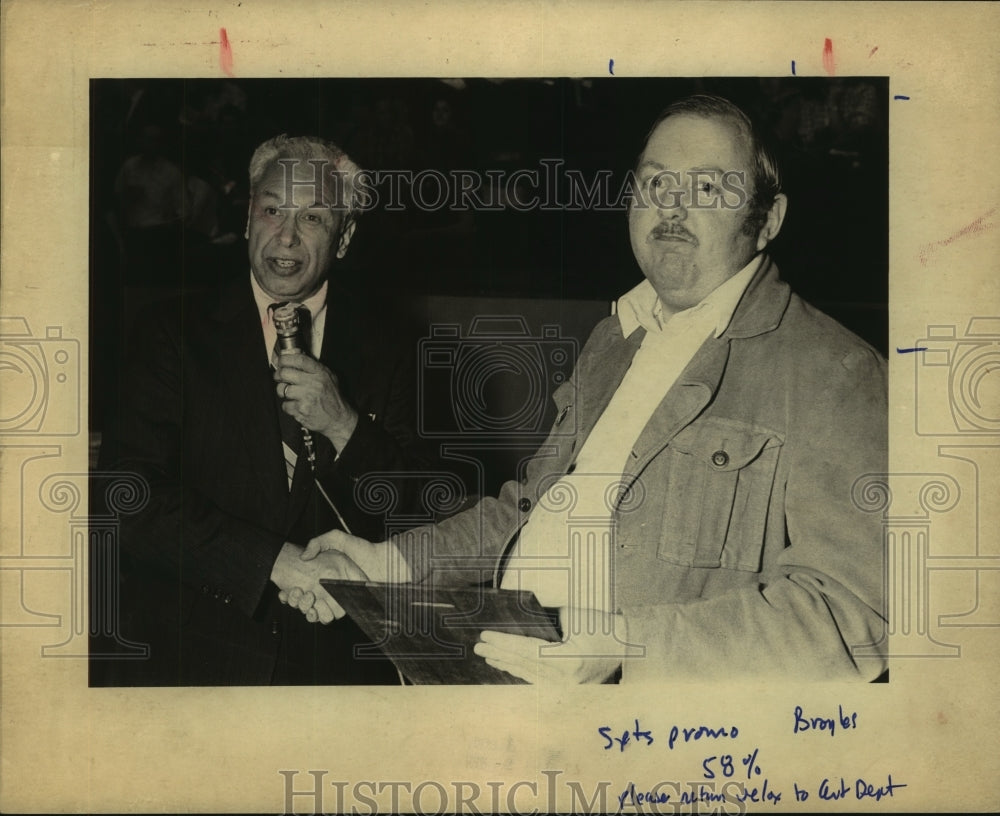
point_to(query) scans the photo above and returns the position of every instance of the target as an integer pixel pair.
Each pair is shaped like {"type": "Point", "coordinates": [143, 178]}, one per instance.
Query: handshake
{"type": "Point", "coordinates": [297, 572]}
{"type": "Point", "coordinates": [588, 653]}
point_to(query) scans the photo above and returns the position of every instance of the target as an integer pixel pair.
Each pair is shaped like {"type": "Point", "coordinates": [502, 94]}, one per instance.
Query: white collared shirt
{"type": "Point", "coordinates": [563, 553]}
{"type": "Point", "coordinates": [641, 306]}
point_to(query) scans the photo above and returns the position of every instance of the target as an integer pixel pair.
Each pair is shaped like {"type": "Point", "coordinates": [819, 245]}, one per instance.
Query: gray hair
{"type": "Point", "coordinates": [765, 171]}
{"type": "Point", "coordinates": [310, 148]}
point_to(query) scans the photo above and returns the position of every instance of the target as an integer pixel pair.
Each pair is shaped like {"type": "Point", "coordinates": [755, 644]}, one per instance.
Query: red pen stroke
{"type": "Point", "coordinates": [225, 53]}
{"type": "Point", "coordinates": [828, 62]}
{"type": "Point", "coordinates": [977, 226]}
{"type": "Point", "coordinates": [872, 52]}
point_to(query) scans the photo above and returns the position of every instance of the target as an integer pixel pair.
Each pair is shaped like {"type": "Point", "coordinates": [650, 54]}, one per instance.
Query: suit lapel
{"type": "Point", "coordinates": [682, 404]}
{"type": "Point", "coordinates": [685, 400]}
{"type": "Point", "coordinates": [760, 310]}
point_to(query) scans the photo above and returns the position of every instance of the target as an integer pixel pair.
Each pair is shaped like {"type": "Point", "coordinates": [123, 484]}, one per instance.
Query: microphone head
{"type": "Point", "coordinates": [286, 323]}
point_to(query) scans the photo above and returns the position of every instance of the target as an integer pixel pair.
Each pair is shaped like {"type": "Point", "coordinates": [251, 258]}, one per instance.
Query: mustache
{"type": "Point", "coordinates": [668, 229]}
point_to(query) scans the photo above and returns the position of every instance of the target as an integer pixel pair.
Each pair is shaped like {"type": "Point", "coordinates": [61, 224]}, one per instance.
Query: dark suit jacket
{"type": "Point", "coordinates": [198, 420]}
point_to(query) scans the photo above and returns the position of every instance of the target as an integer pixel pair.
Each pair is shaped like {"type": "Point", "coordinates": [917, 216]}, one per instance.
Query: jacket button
{"type": "Point", "coordinates": [228, 599]}
{"type": "Point", "coordinates": [720, 458]}
{"type": "Point", "coordinates": [216, 595]}
{"type": "Point", "coordinates": [204, 590]}
{"type": "Point", "coordinates": [274, 627]}
{"type": "Point", "coordinates": [524, 505]}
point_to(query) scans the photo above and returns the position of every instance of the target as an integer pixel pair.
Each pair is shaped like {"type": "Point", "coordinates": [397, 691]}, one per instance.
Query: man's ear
{"type": "Point", "coordinates": [346, 233]}
{"type": "Point", "coordinates": [775, 218]}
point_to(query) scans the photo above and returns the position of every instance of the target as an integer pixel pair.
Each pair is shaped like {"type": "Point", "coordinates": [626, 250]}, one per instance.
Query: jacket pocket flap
{"type": "Point", "coordinates": [723, 444]}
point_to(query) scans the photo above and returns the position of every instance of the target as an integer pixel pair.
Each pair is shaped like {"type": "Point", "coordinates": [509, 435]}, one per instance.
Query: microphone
{"type": "Point", "coordinates": [286, 323]}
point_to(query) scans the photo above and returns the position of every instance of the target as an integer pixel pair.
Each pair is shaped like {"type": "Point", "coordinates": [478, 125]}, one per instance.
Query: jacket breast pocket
{"type": "Point", "coordinates": [721, 474]}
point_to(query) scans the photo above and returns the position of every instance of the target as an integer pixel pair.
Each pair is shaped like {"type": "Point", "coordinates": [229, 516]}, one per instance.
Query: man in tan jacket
{"type": "Point", "coordinates": [721, 431]}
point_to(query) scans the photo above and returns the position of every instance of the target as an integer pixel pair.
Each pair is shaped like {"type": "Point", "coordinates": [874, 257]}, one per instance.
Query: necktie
{"type": "Point", "coordinates": [291, 431]}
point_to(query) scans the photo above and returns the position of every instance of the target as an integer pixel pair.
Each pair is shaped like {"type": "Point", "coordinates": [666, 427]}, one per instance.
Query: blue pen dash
{"type": "Point", "coordinates": [910, 350]}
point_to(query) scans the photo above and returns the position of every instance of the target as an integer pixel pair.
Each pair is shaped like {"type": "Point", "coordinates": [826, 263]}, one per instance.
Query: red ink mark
{"type": "Point", "coordinates": [828, 62]}
{"type": "Point", "coordinates": [872, 52]}
{"type": "Point", "coordinates": [225, 53]}
{"type": "Point", "coordinates": [977, 226]}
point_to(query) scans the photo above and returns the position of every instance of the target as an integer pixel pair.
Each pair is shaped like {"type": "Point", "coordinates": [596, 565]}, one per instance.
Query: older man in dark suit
{"type": "Point", "coordinates": [248, 453]}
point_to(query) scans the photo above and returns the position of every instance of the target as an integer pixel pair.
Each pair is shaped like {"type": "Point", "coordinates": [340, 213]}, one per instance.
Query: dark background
{"type": "Point", "coordinates": [831, 136]}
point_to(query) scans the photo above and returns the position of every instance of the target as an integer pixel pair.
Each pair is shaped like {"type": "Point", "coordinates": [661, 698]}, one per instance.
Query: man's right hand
{"type": "Point", "coordinates": [298, 580]}
{"type": "Point", "coordinates": [355, 559]}
{"type": "Point", "coordinates": [381, 562]}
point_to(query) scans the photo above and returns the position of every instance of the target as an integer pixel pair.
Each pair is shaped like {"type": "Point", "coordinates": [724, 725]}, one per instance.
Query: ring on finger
{"type": "Point", "coordinates": [284, 391]}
